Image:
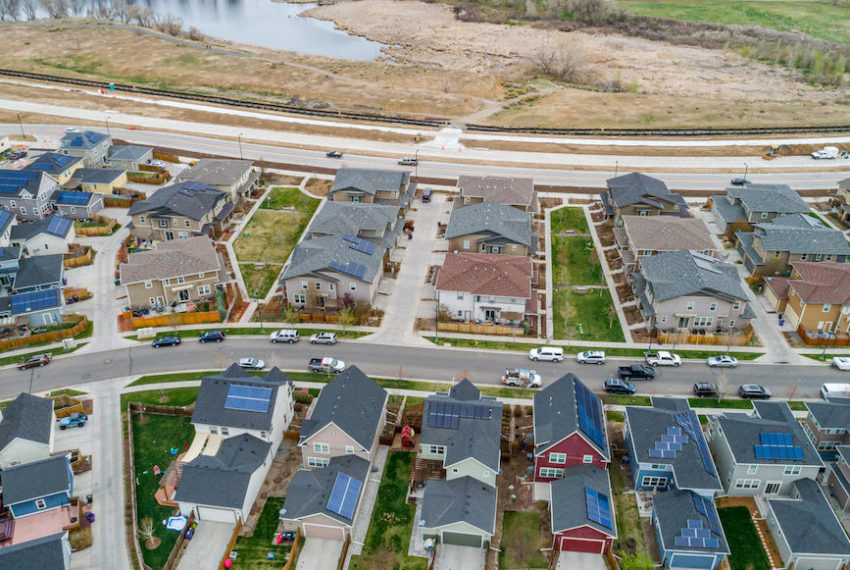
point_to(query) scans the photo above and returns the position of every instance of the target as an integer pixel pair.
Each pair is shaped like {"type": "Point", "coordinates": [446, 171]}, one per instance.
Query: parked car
{"type": "Point", "coordinates": [168, 340]}
{"type": "Point", "coordinates": [706, 390]}
{"type": "Point", "coordinates": [662, 358]}
{"type": "Point", "coordinates": [636, 372]}
{"type": "Point", "coordinates": [522, 377]}
{"type": "Point", "coordinates": [546, 353]}
{"type": "Point", "coordinates": [34, 360]}
{"type": "Point", "coordinates": [618, 386]}
{"type": "Point", "coordinates": [408, 161]}
{"type": "Point", "coordinates": [591, 357]}
{"type": "Point", "coordinates": [333, 154]}
{"type": "Point", "coordinates": [323, 338]}
{"type": "Point", "coordinates": [740, 181]}
{"type": "Point", "coordinates": [326, 365]}
{"type": "Point", "coordinates": [722, 361]}
{"type": "Point", "coordinates": [753, 392]}
{"type": "Point", "coordinates": [831, 390]}
{"type": "Point", "coordinates": [426, 195]}
{"type": "Point", "coordinates": [285, 335]}
{"type": "Point", "coordinates": [76, 419]}
{"type": "Point", "coordinates": [841, 362]}
{"type": "Point", "coordinates": [828, 152]}
{"type": "Point", "coordinates": [212, 336]}
{"type": "Point", "coordinates": [252, 363]}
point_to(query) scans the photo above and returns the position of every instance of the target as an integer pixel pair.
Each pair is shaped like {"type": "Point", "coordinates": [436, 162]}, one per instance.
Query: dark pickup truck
{"type": "Point", "coordinates": [636, 372]}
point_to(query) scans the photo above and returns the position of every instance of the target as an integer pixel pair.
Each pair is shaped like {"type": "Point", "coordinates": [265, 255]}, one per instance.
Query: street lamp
{"type": "Point", "coordinates": [106, 118]}
{"type": "Point", "coordinates": [239, 138]}
{"type": "Point", "coordinates": [437, 320]}
{"type": "Point", "coordinates": [23, 134]}
{"type": "Point", "coordinates": [616, 167]}
{"type": "Point", "coordinates": [416, 165]}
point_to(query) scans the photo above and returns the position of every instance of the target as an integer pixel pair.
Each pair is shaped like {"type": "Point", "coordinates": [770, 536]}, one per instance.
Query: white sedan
{"type": "Point", "coordinates": [252, 363]}
{"type": "Point", "coordinates": [841, 362]}
{"type": "Point", "coordinates": [722, 361]}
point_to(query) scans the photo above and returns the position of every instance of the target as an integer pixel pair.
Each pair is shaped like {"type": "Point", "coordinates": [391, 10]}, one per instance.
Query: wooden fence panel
{"type": "Point", "coordinates": [230, 544]}
{"type": "Point", "coordinates": [80, 260]}
{"type": "Point", "coordinates": [832, 340]}
{"type": "Point", "coordinates": [481, 329]}
{"type": "Point", "coordinates": [738, 339]}
{"type": "Point", "coordinates": [48, 337]}
{"type": "Point", "coordinates": [176, 319]}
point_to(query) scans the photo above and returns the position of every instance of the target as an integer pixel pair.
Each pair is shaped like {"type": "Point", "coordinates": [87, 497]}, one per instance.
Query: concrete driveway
{"type": "Point", "coordinates": [452, 557]}
{"type": "Point", "coordinates": [319, 554]}
{"type": "Point", "coordinates": [583, 560]}
{"type": "Point", "coordinates": [206, 549]}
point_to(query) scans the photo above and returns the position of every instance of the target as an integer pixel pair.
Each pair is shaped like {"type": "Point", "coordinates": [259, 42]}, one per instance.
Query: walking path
{"type": "Point", "coordinates": [612, 286]}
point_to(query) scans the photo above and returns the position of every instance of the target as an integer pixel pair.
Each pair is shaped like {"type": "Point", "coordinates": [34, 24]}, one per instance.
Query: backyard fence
{"type": "Point", "coordinates": [158, 409]}
{"type": "Point", "coordinates": [230, 544]}
{"type": "Point", "coordinates": [293, 554]}
{"type": "Point", "coordinates": [818, 338]}
{"type": "Point", "coordinates": [82, 294]}
{"type": "Point", "coordinates": [102, 230]}
{"type": "Point", "coordinates": [132, 516]}
{"type": "Point", "coordinates": [173, 319]}
{"type": "Point", "coordinates": [160, 155]}
{"type": "Point", "coordinates": [46, 338]}
{"type": "Point", "coordinates": [149, 175]}
{"type": "Point", "coordinates": [481, 329]}
{"type": "Point", "coordinates": [687, 337]}
{"type": "Point", "coordinates": [64, 406]}
{"type": "Point", "coordinates": [84, 259]}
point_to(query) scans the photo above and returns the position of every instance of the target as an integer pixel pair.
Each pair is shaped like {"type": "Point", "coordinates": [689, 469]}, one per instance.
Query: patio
{"type": "Point", "coordinates": [43, 524]}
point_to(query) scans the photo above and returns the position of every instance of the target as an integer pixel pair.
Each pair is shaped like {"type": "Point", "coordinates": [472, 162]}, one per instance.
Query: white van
{"type": "Point", "coordinates": [828, 391]}
{"type": "Point", "coordinates": [546, 353]}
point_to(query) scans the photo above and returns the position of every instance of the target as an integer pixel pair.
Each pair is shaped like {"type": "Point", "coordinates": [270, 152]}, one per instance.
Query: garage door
{"type": "Point", "coordinates": [323, 531]}
{"type": "Point", "coordinates": [462, 539]}
{"type": "Point", "coordinates": [217, 515]}
{"type": "Point", "coordinates": [578, 545]}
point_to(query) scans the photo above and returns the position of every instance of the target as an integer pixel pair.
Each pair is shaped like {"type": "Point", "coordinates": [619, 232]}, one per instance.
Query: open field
{"type": "Point", "coordinates": [269, 236]}
{"type": "Point", "coordinates": [585, 316]}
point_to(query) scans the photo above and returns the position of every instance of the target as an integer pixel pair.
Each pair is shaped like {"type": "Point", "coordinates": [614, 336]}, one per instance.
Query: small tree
{"type": "Point", "coordinates": [612, 315]}
{"type": "Point", "coordinates": [146, 533]}
{"type": "Point", "coordinates": [289, 314]}
{"type": "Point", "coordinates": [347, 317]}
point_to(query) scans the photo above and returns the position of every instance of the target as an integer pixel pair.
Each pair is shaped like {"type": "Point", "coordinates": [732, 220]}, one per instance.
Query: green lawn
{"type": "Point", "coordinates": [388, 538]}
{"type": "Point", "coordinates": [584, 316]}
{"type": "Point", "coordinates": [747, 550]}
{"type": "Point", "coordinates": [521, 542]}
{"type": "Point", "coordinates": [569, 219]}
{"type": "Point", "coordinates": [625, 510]}
{"type": "Point", "coordinates": [816, 356]}
{"type": "Point", "coordinates": [573, 263]}
{"type": "Point", "coordinates": [253, 550]}
{"type": "Point", "coordinates": [152, 440]}
{"type": "Point", "coordinates": [281, 197]}
{"type": "Point", "coordinates": [260, 279]}
{"type": "Point", "coordinates": [270, 236]}
{"type": "Point", "coordinates": [6, 360]}
{"type": "Point", "coordinates": [176, 397]}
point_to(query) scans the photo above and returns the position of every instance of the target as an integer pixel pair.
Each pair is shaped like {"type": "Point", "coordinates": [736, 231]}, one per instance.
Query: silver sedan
{"type": "Point", "coordinates": [722, 361]}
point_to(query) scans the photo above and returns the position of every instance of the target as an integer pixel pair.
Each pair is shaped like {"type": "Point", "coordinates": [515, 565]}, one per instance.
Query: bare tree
{"type": "Point", "coordinates": [56, 8]}
{"type": "Point", "coordinates": [9, 9]}
{"type": "Point", "coordinates": [146, 529]}
{"type": "Point", "coordinates": [29, 8]}
{"type": "Point", "coordinates": [589, 12]}
{"type": "Point", "coordinates": [346, 317]}
{"type": "Point", "coordinates": [612, 315]}
{"type": "Point", "coordinates": [120, 11]}
{"type": "Point", "coordinates": [564, 63]}
{"type": "Point", "coordinates": [167, 24]}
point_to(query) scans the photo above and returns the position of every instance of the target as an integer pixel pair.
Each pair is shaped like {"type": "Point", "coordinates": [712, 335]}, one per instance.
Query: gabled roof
{"type": "Point", "coordinates": [39, 270]}
{"type": "Point", "coordinates": [798, 233]}
{"type": "Point", "coordinates": [808, 522]}
{"type": "Point", "coordinates": [170, 259]}
{"type": "Point", "coordinates": [674, 509]}
{"type": "Point", "coordinates": [7, 218]}
{"type": "Point", "coordinates": [556, 415]}
{"type": "Point", "coordinates": [459, 500]}
{"type": "Point", "coordinates": [777, 198]}
{"type": "Point", "coordinates": [569, 500]}
{"type": "Point", "coordinates": [369, 180]}
{"type": "Point", "coordinates": [824, 282]}
{"type": "Point", "coordinates": [334, 253]}
{"type": "Point", "coordinates": [221, 480]}
{"type": "Point", "coordinates": [497, 220]}
{"type": "Point", "coordinates": [830, 414]}
{"type": "Point", "coordinates": [667, 233]}
{"type": "Point", "coordinates": [47, 552]}
{"type": "Point", "coordinates": [128, 152]}
{"type": "Point", "coordinates": [190, 199]}
{"type": "Point", "coordinates": [36, 480]}
{"type": "Point", "coordinates": [339, 218]}
{"type": "Point", "coordinates": [84, 140]}
{"type": "Point", "coordinates": [486, 274]}
{"type": "Point", "coordinates": [53, 225]}
{"type": "Point", "coordinates": [98, 175]}
{"type": "Point", "coordinates": [75, 198]}
{"type": "Point", "coordinates": [210, 407]}
{"type": "Point", "coordinates": [14, 182]}
{"type": "Point", "coordinates": [216, 171]}
{"type": "Point", "coordinates": [353, 402]}
{"type": "Point", "coordinates": [310, 489]}
{"type": "Point", "coordinates": [501, 189]}
{"type": "Point", "coordinates": [26, 417]}
{"type": "Point", "coordinates": [638, 188]}
{"type": "Point", "coordinates": [676, 273]}
{"type": "Point", "coordinates": [53, 163]}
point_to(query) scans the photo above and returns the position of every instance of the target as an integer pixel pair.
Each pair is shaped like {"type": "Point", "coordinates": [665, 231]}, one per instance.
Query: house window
{"type": "Point", "coordinates": [318, 461]}
{"type": "Point", "coordinates": [702, 321]}
{"type": "Point", "coordinates": [455, 470]}
{"type": "Point", "coordinates": [826, 307]}
{"type": "Point", "coordinates": [40, 504]}
{"type": "Point", "coordinates": [827, 445]}
{"type": "Point", "coordinates": [73, 210]}
{"type": "Point", "coordinates": [747, 483]}
{"type": "Point", "coordinates": [152, 301]}
{"type": "Point", "coordinates": [436, 449]}
{"type": "Point", "coordinates": [689, 307]}
{"type": "Point", "coordinates": [492, 299]}
{"type": "Point", "coordinates": [712, 307]}
{"type": "Point", "coordinates": [168, 281]}
{"type": "Point", "coordinates": [174, 221]}
{"type": "Point", "coordinates": [664, 318]}
{"type": "Point", "coordinates": [225, 431]}
{"type": "Point", "coordinates": [330, 286]}
{"type": "Point", "coordinates": [352, 286]}
{"type": "Point", "coordinates": [180, 280]}
{"type": "Point", "coordinates": [801, 301]}
{"type": "Point", "coordinates": [23, 211]}
{"type": "Point", "coordinates": [349, 449]}
{"type": "Point", "coordinates": [303, 284]}
{"type": "Point", "coordinates": [12, 203]}
{"type": "Point", "coordinates": [163, 223]}
{"type": "Point", "coordinates": [213, 430]}
{"type": "Point", "coordinates": [299, 298]}
{"type": "Point", "coordinates": [551, 473]}
{"type": "Point", "coordinates": [203, 290]}
{"type": "Point", "coordinates": [141, 219]}
{"type": "Point", "coordinates": [485, 474]}
{"type": "Point", "coordinates": [772, 488]}
{"type": "Point", "coordinates": [148, 284]}
{"type": "Point", "coordinates": [557, 458]}
{"type": "Point", "coordinates": [513, 247]}
{"type": "Point", "coordinates": [465, 242]}
{"type": "Point", "coordinates": [318, 286]}
{"type": "Point", "coordinates": [752, 469]}
{"type": "Point", "coordinates": [460, 294]}
{"type": "Point", "coordinates": [736, 306]}
{"type": "Point", "coordinates": [792, 469]}
{"type": "Point", "coordinates": [587, 459]}
{"type": "Point", "coordinates": [321, 448]}
{"type": "Point", "coordinates": [803, 256]}
{"type": "Point", "coordinates": [188, 224]}
{"type": "Point", "coordinates": [764, 215]}
{"type": "Point", "coordinates": [651, 481]}
{"type": "Point", "coordinates": [200, 275]}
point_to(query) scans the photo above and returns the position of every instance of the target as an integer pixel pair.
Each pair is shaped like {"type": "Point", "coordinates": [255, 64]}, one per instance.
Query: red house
{"type": "Point", "coordinates": [569, 429]}
{"type": "Point", "coordinates": [582, 511]}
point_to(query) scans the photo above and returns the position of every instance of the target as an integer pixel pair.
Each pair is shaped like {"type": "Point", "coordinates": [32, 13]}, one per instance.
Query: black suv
{"type": "Point", "coordinates": [212, 336]}
{"type": "Point", "coordinates": [706, 390]}
{"type": "Point", "coordinates": [169, 340]}
{"type": "Point", "coordinates": [618, 386]}
{"type": "Point", "coordinates": [753, 392]}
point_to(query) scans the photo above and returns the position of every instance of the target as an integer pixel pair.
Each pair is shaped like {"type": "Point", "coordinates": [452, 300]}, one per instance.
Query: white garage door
{"type": "Point", "coordinates": [217, 515]}
{"type": "Point", "coordinates": [324, 531]}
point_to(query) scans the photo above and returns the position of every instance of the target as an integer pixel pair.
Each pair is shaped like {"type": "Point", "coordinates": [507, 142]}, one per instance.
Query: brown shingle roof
{"type": "Point", "coordinates": [779, 286]}
{"type": "Point", "coordinates": [667, 233]}
{"type": "Point", "coordinates": [171, 259]}
{"type": "Point", "coordinates": [825, 282]}
{"type": "Point", "coordinates": [502, 189]}
{"type": "Point", "coordinates": [486, 274]}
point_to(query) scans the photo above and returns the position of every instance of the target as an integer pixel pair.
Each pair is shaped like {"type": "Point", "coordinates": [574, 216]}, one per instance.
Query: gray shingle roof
{"type": "Point", "coordinates": [27, 417]}
{"type": "Point", "coordinates": [798, 233]}
{"type": "Point", "coordinates": [31, 229]}
{"type": "Point", "coordinates": [502, 189]}
{"type": "Point", "coordinates": [778, 198]}
{"type": "Point", "coordinates": [53, 163]}
{"type": "Point", "coordinates": [216, 171]}
{"type": "Point", "coordinates": [338, 218]}
{"type": "Point", "coordinates": [84, 140]}
{"type": "Point", "coordinates": [39, 270]}
{"type": "Point", "coordinates": [353, 402]}
{"type": "Point", "coordinates": [569, 503]}
{"type": "Point", "coordinates": [667, 233]}
{"type": "Point", "coordinates": [14, 182]}
{"type": "Point", "coordinates": [497, 220]}
{"type": "Point", "coordinates": [638, 188]}
{"type": "Point", "coordinates": [6, 219]}
{"type": "Point", "coordinates": [209, 407]}
{"type": "Point", "coordinates": [830, 414]}
{"type": "Point", "coordinates": [369, 180]}
{"type": "Point", "coordinates": [673, 510]}
{"type": "Point", "coordinates": [316, 255]}
{"type": "Point", "coordinates": [221, 480]}
{"type": "Point", "coordinates": [556, 415]}
{"type": "Point", "coordinates": [45, 553]}
{"type": "Point", "coordinates": [171, 259]}
{"type": "Point", "coordinates": [36, 480]}
{"type": "Point", "coordinates": [129, 152]}
{"type": "Point", "coordinates": [676, 273]}
{"type": "Point", "coordinates": [729, 211]}
{"type": "Point", "coordinates": [190, 199]}
{"type": "Point", "coordinates": [98, 175]}
{"type": "Point", "coordinates": [310, 489]}
{"type": "Point", "coordinates": [460, 500]}
{"type": "Point", "coordinates": [809, 524]}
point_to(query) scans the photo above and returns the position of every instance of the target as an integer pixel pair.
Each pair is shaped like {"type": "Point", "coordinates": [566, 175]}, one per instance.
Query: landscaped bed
{"type": "Point", "coordinates": [521, 541]}
{"type": "Point", "coordinates": [253, 551]}
{"type": "Point", "coordinates": [747, 552]}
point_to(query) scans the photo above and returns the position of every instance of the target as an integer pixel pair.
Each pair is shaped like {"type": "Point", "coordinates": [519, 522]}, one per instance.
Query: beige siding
{"type": "Point", "coordinates": [812, 317]}
{"type": "Point", "coordinates": [337, 440]}
{"type": "Point", "coordinates": [147, 228]}
{"type": "Point", "coordinates": [345, 196]}
{"type": "Point", "coordinates": [469, 243]}
{"type": "Point", "coordinates": [331, 291]}
{"type": "Point", "coordinates": [140, 295]}
{"type": "Point", "coordinates": [22, 451]}
{"type": "Point", "coordinates": [471, 468]}
{"type": "Point", "coordinates": [460, 527]}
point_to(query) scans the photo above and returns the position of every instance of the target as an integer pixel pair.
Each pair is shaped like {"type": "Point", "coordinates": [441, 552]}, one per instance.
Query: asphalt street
{"type": "Point", "coordinates": [442, 364]}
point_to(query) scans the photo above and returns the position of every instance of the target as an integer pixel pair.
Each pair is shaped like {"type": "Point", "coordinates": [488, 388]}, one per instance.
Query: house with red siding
{"type": "Point", "coordinates": [569, 429]}
{"type": "Point", "coordinates": [582, 511]}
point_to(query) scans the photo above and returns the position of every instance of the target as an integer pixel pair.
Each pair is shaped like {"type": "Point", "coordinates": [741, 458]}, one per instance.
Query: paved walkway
{"type": "Point", "coordinates": [206, 549]}
{"type": "Point", "coordinates": [367, 504]}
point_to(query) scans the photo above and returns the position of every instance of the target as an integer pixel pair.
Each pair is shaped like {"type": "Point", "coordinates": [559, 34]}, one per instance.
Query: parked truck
{"type": "Point", "coordinates": [827, 152]}
{"type": "Point", "coordinates": [326, 365]}
{"type": "Point", "coordinates": [636, 372]}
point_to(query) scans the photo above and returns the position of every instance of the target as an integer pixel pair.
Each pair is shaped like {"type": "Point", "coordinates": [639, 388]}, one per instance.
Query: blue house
{"type": "Point", "coordinates": [39, 486]}
{"type": "Point", "coordinates": [688, 530]}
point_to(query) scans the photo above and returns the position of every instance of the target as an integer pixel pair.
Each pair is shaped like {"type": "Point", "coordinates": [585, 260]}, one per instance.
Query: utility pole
{"type": "Point", "coordinates": [830, 334]}
{"type": "Point", "coordinates": [106, 118]}
{"type": "Point", "coordinates": [239, 138]}
{"type": "Point", "coordinates": [437, 320]}
{"type": "Point", "coordinates": [616, 167]}
{"type": "Point", "coordinates": [416, 166]}
{"type": "Point", "coordinates": [746, 168]}
{"type": "Point", "coordinates": [259, 309]}
{"type": "Point", "coordinates": [23, 134]}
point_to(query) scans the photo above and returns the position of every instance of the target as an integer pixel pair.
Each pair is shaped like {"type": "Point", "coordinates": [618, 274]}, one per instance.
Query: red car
{"type": "Point", "coordinates": [33, 361]}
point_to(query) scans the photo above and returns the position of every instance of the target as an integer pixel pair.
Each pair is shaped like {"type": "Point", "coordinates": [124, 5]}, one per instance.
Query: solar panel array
{"type": "Point", "coordinates": [248, 398]}
{"type": "Point", "coordinates": [34, 301]}
{"type": "Point", "coordinates": [58, 225]}
{"type": "Point", "coordinates": [193, 185]}
{"type": "Point", "coordinates": [670, 443]}
{"type": "Point", "coordinates": [344, 495]}
{"type": "Point", "coordinates": [47, 162]}
{"type": "Point", "coordinates": [360, 244]}
{"type": "Point", "coordinates": [777, 446]}
{"type": "Point", "coordinates": [701, 504]}
{"type": "Point", "coordinates": [689, 422]}
{"type": "Point", "coordinates": [598, 507]}
{"type": "Point", "coordinates": [446, 414]}
{"type": "Point", "coordinates": [12, 180]}
{"type": "Point", "coordinates": [349, 268]}
{"type": "Point", "coordinates": [590, 418]}
{"type": "Point", "coordinates": [4, 217]}
{"type": "Point", "coordinates": [696, 535]}
{"type": "Point", "coordinates": [74, 198]}
{"type": "Point", "coordinates": [92, 137]}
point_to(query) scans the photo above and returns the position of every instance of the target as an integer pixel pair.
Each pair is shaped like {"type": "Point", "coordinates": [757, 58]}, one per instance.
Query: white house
{"type": "Point", "coordinates": [26, 430]}
{"type": "Point", "coordinates": [47, 236]}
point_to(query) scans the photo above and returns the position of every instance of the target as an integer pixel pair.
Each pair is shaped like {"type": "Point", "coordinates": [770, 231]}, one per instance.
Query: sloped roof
{"type": "Point", "coordinates": [369, 180]}
{"type": "Point", "coordinates": [502, 189]}
{"type": "Point", "coordinates": [667, 233]}
{"type": "Point", "coordinates": [216, 171]}
{"type": "Point", "coordinates": [808, 523]}
{"type": "Point", "coordinates": [53, 163]}
{"type": "Point", "coordinates": [128, 152]}
{"type": "Point", "coordinates": [486, 274]}
{"type": "Point", "coordinates": [830, 414]}
{"type": "Point", "coordinates": [7, 218]}
{"type": "Point", "coordinates": [676, 273]}
{"type": "Point", "coordinates": [98, 175]}
{"type": "Point", "coordinates": [798, 233]}
{"type": "Point", "coordinates": [824, 282]}
{"type": "Point", "coordinates": [70, 197]}
{"type": "Point", "coordinates": [499, 220]}
{"type": "Point", "coordinates": [339, 218]}
{"type": "Point", "coordinates": [460, 500]}
{"type": "Point", "coordinates": [674, 508]}
{"type": "Point", "coordinates": [47, 552]}
{"type": "Point", "coordinates": [778, 198]}
{"type": "Point", "coordinates": [569, 502]}
{"type": "Point", "coordinates": [84, 140]}
{"type": "Point", "coordinates": [39, 270]}
{"type": "Point", "coordinates": [190, 199]}
{"type": "Point", "coordinates": [556, 415]}
{"type": "Point", "coordinates": [638, 188]}
{"type": "Point", "coordinates": [54, 225]}
{"type": "Point", "coordinates": [27, 417]}
{"type": "Point", "coordinates": [171, 259]}
{"type": "Point", "coordinates": [310, 489]}
{"type": "Point", "coordinates": [15, 182]}
{"type": "Point", "coordinates": [322, 253]}
{"type": "Point", "coordinates": [36, 480]}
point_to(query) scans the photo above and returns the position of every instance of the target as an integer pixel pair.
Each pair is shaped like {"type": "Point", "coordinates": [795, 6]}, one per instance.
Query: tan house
{"type": "Point", "coordinates": [175, 272]}
{"type": "Point", "coordinates": [842, 200]}
{"type": "Point", "coordinates": [100, 180]}
{"type": "Point", "coordinates": [372, 186]}
{"type": "Point", "coordinates": [236, 177]}
{"type": "Point", "coordinates": [489, 227]}
{"type": "Point", "coordinates": [180, 211]}
{"type": "Point", "coordinates": [515, 192]}
{"type": "Point", "coordinates": [642, 236]}
{"type": "Point", "coordinates": [640, 195]}
{"type": "Point", "coordinates": [59, 166]}
{"type": "Point", "coordinates": [816, 297]}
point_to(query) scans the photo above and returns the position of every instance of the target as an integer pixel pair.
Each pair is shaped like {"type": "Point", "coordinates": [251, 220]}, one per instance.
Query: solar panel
{"type": "Point", "coordinates": [689, 422]}
{"type": "Point", "coordinates": [248, 398]}
{"type": "Point", "coordinates": [74, 198]}
{"type": "Point", "coordinates": [34, 301]}
{"type": "Point", "coordinates": [359, 244]}
{"type": "Point", "coordinates": [778, 452]}
{"type": "Point", "coordinates": [58, 225]}
{"type": "Point", "coordinates": [12, 180]}
{"type": "Point", "coordinates": [701, 504]}
{"type": "Point", "coordinates": [343, 497]}
{"type": "Point", "coordinates": [447, 414]}
{"type": "Point", "coordinates": [590, 418]}
{"type": "Point", "coordinates": [598, 507]}
{"type": "Point", "coordinates": [193, 185]}
{"type": "Point", "coordinates": [777, 439]}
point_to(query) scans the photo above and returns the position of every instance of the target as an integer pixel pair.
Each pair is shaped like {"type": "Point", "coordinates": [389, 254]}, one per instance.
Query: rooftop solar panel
{"type": "Point", "coordinates": [248, 398]}
{"type": "Point", "coordinates": [36, 300]}
{"type": "Point", "coordinates": [343, 497]}
{"type": "Point", "coordinates": [359, 244]}
{"type": "Point", "coordinates": [590, 418]}
{"type": "Point", "coordinates": [193, 185]}
{"type": "Point", "coordinates": [74, 198]}
{"type": "Point", "coordinates": [58, 225]}
{"type": "Point", "coordinates": [776, 439]}
{"type": "Point", "coordinates": [598, 507]}
{"type": "Point", "coordinates": [689, 422]}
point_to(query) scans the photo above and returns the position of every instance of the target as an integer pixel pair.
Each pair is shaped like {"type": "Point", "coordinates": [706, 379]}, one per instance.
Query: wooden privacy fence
{"type": "Point", "coordinates": [687, 337]}
{"type": "Point", "coordinates": [84, 259]}
{"type": "Point", "coordinates": [173, 319]}
{"type": "Point", "coordinates": [138, 408]}
{"type": "Point", "coordinates": [161, 155]}
{"type": "Point", "coordinates": [103, 230]}
{"type": "Point", "coordinates": [293, 554]}
{"type": "Point", "coordinates": [48, 337]}
{"type": "Point", "coordinates": [82, 294]}
{"type": "Point", "coordinates": [481, 329]}
{"type": "Point", "coordinates": [230, 544]}
{"type": "Point", "coordinates": [812, 337]}
{"type": "Point", "coordinates": [64, 406]}
{"type": "Point", "coordinates": [149, 175]}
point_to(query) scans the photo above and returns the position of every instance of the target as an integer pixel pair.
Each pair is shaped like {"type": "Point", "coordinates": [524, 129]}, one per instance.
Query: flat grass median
{"type": "Point", "coordinates": [58, 351]}
{"type": "Point", "coordinates": [564, 219]}
{"type": "Point", "coordinates": [575, 262]}
{"type": "Point", "coordinates": [521, 541]}
{"type": "Point", "coordinates": [165, 397]}
{"type": "Point", "coordinates": [586, 316]}
{"type": "Point", "coordinates": [270, 236]}
{"type": "Point", "coordinates": [260, 278]}
{"type": "Point", "coordinates": [289, 197]}
{"type": "Point", "coordinates": [247, 331]}
{"type": "Point", "coordinates": [747, 552]}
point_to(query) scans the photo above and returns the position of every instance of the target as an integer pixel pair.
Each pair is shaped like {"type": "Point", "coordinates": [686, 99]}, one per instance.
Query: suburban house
{"type": "Point", "coordinates": [100, 180]}
{"type": "Point", "coordinates": [643, 236]}
{"type": "Point", "coordinates": [743, 206]}
{"type": "Point", "coordinates": [490, 227]}
{"type": "Point", "coordinates": [827, 426]}
{"type": "Point", "coordinates": [763, 454]}
{"type": "Point", "coordinates": [515, 192]}
{"type": "Point", "coordinates": [26, 193]}
{"type": "Point", "coordinates": [771, 248]}
{"type": "Point", "coordinates": [459, 511]}
{"type": "Point", "coordinates": [838, 479]}
{"type": "Point", "coordinates": [323, 503]}
{"type": "Point", "coordinates": [38, 486]}
{"type": "Point", "coordinates": [463, 430]}
{"type": "Point", "coordinates": [57, 165]}
{"type": "Point", "coordinates": [235, 177]}
{"type": "Point", "coordinates": [841, 202]}
{"type": "Point", "coordinates": [239, 421]}
{"type": "Point", "coordinates": [53, 552]}
{"type": "Point", "coordinates": [26, 430]}
{"type": "Point", "coordinates": [179, 211]}
{"type": "Point", "coordinates": [486, 287]}
{"type": "Point", "coordinates": [346, 419]}
{"type": "Point", "coordinates": [377, 223]}
{"type": "Point", "coordinates": [175, 271]}
{"type": "Point", "coordinates": [814, 297]}
{"type": "Point", "coordinates": [77, 205]}
{"type": "Point", "coordinates": [582, 510]}
{"type": "Point", "coordinates": [806, 530]}
{"type": "Point", "coordinates": [7, 222]}
{"type": "Point", "coordinates": [688, 530]}
{"type": "Point", "coordinates": [640, 195]}
{"type": "Point", "coordinates": [37, 287]}
{"type": "Point", "coordinates": [128, 156]}
{"type": "Point", "coordinates": [332, 271]}
{"type": "Point", "coordinates": [91, 146]}
{"type": "Point", "coordinates": [50, 234]}
{"type": "Point", "coordinates": [686, 290]}
{"type": "Point", "coordinates": [372, 185]}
